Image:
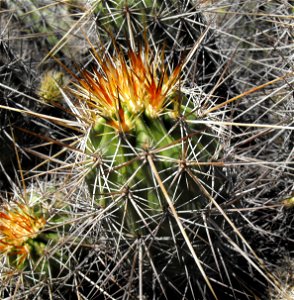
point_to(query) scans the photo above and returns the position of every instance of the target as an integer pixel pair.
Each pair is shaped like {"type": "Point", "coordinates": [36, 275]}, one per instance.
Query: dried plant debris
{"type": "Point", "coordinates": [285, 272]}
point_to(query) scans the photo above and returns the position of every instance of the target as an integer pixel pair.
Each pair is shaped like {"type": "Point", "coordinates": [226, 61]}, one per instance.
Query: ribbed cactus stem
{"type": "Point", "coordinates": [138, 110]}
{"type": "Point", "coordinates": [129, 171]}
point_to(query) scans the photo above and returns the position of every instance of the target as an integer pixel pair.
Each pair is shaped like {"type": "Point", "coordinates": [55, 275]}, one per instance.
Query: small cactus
{"type": "Point", "coordinates": [146, 148]}
{"type": "Point", "coordinates": [39, 18]}
{"type": "Point", "coordinates": [19, 231]}
{"type": "Point", "coordinates": [49, 86]}
{"type": "Point", "coordinates": [30, 235]}
{"type": "Point", "coordinates": [137, 111]}
{"type": "Point", "coordinates": [133, 19]}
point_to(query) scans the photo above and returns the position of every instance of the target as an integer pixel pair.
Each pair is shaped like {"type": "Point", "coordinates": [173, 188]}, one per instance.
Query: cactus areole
{"type": "Point", "coordinates": [137, 110]}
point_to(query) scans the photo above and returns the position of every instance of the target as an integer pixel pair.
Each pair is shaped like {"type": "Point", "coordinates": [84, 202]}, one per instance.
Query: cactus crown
{"type": "Point", "coordinates": [125, 88]}
{"type": "Point", "coordinates": [17, 226]}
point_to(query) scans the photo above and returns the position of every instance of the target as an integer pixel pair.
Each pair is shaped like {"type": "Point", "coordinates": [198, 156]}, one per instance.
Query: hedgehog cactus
{"type": "Point", "coordinates": [39, 17]}
{"type": "Point", "coordinates": [138, 113]}
{"type": "Point", "coordinates": [115, 16]}
{"type": "Point", "coordinates": [152, 163]}
{"type": "Point", "coordinates": [29, 235]}
{"type": "Point", "coordinates": [132, 18]}
{"type": "Point", "coordinates": [152, 158]}
{"type": "Point", "coordinates": [19, 231]}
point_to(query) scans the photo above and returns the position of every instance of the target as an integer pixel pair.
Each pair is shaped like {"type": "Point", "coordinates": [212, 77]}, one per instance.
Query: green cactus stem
{"type": "Point", "coordinates": [136, 113]}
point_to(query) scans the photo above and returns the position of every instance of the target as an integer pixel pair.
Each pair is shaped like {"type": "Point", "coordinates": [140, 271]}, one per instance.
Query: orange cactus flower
{"type": "Point", "coordinates": [16, 227]}
{"type": "Point", "coordinates": [126, 87]}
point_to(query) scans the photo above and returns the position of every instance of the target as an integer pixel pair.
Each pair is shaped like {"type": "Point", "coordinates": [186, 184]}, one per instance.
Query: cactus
{"type": "Point", "coordinates": [49, 86]}
{"type": "Point", "coordinates": [31, 230]}
{"type": "Point", "coordinates": [136, 112]}
{"type": "Point", "coordinates": [39, 18]}
{"type": "Point", "coordinates": [20, 230]}
{"type": "Point", "coordinates": [150, 155]}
